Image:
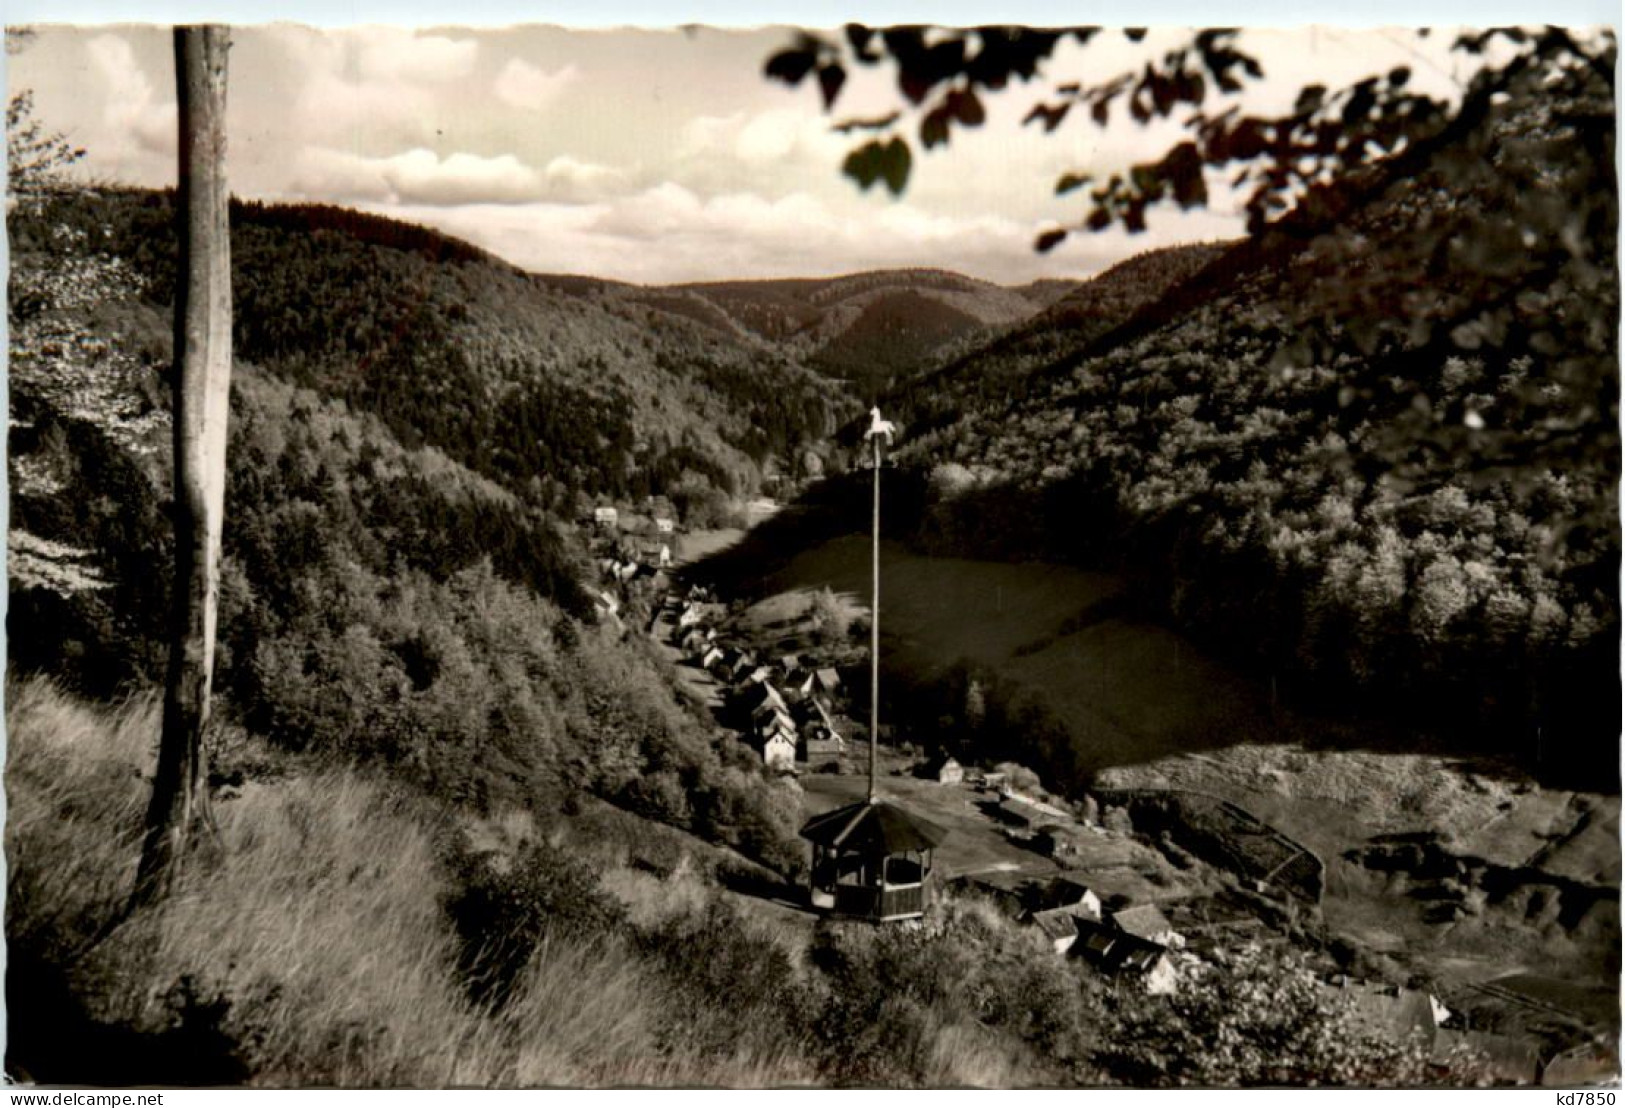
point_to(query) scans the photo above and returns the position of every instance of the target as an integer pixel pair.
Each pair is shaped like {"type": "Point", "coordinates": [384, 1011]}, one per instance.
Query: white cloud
{"type": "Point", "coordinates": [669, 233]}
{"type": "Point", "coordinates": [416, 177]}
{"type": "Point", "coordinates": [522, 85]}
{"type": "Point", "coordinates": [386, 83]}
{"type": "Point", "coordinates": [131, 110]}
{"type": "Point", "coordinates": [574, 181]}
{"type": "Point", "coordinates": [393, 55]}
{"type": "Point", "coordinates": [773, 150]}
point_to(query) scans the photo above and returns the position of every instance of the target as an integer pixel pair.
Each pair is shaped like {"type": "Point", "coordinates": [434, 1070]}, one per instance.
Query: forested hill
{"type": "Point", "coordinates": [554, 392]}
{"type": "Point", "coordinates": [975, 374]}
{"type": "Point", "coordinates": [1375, 457]}
{"type": "Point", "coordinates": [865, 328]}
{"type": "Point", "coordinates": [380, 604]}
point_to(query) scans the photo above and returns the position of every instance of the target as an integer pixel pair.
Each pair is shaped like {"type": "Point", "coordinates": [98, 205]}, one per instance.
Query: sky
{"type": "Point", "coordinates": [653, 156]}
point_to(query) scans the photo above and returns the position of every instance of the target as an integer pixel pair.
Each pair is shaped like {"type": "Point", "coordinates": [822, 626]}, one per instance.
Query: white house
{"type": "Point", "coordinates": [779, 751]}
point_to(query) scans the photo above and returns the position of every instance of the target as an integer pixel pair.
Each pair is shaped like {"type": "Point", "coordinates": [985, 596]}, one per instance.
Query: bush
{"type": "Point", "coordinates": [504, 913]}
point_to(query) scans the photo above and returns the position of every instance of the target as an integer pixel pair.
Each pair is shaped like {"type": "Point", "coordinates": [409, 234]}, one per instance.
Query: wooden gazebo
{"type": "Point", "coordinates": [872, 860]}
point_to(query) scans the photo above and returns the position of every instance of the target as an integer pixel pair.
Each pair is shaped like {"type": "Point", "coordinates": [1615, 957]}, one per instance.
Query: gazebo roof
{"type": "Point", "coordinates": [879, 826]}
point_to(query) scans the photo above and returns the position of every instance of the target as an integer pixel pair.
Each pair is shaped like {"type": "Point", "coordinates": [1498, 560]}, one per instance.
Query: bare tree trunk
{"type": "Point", "coordinates": [202, 388]}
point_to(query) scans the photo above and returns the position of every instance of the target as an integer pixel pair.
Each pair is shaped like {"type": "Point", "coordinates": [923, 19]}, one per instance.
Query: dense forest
{"type": "Point", "coordinates": [1380, 457]}
{"type": "Point", "coordinates": [379, 603]}
{"type": "Point", "coordinates": [554, 395]}
{"type": "Point", "coordinates": [993, 371]}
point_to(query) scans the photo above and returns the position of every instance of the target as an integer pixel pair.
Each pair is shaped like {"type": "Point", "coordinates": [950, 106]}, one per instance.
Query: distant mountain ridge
{"type": "Point", "coordinates": [1071, 315]}
{"type": "Point", "coordinates": [867, 328]}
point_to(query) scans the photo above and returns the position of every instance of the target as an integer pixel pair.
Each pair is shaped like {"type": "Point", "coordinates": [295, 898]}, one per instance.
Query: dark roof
{"type": "Point", "coordinates": [1114, 951]}
{"type": "Point", "coordinates": [1145, 921]}
{"type": "Point", "coordinates": [1057, 923]}
{"type": "Point", "coordinates": [1058, 892]}
{"type": "Point", "coordinates": [881, 827]}
{"type": "Point", "coordinates": [1398, 1012]}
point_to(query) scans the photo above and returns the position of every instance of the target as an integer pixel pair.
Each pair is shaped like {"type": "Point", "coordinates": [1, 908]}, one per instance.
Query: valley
{"type": "Point", "coordinates": [1144, 708]}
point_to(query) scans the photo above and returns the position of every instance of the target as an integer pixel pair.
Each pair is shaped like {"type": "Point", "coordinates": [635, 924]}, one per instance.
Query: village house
{"type": "Point", "coordinates": [1063, 892]}
{"type": "Point", "coordinates": [1393, 1012]}
{"type": "Point", "coordinates": [664, 515]}
{"type": "Point", "coordinates": [654, 553]}
{"type": "Point", "coordinates": [797, 681]}
{"type": "Point", "coordinates": [768, 715]}
{"type": "Point", "coordinates": [768, 728]}
{"type": "Point", "coordinates": [1058, 925]}
{"type": "Point", "coordinates": [727, 658]}
{"type": "Point", "coordinates": [818, 750]}
{"type": "Point", "coordinates": [1054, 906]}
{"type": "Point", "coordinates": [1118, 954]}
{"type": "Point", "coordinates": [740, 666]}
{"type": "Point", "coordinates": [944, 769]}
{"type": "Point", "coordinates": [764, 694]}
{"type": "Point", "coordinates": [1146, 921]}
{"type": "Point", "coordinates": [1059, 841]}
{"type": "Point", "coordinates": [779, 751]}
{"type": "Point", "coordinates": [606, 517]}
{"type": "Point", "coordinates": [1025, 811]}
{"type": "Point", "coordinates": [821, 743]}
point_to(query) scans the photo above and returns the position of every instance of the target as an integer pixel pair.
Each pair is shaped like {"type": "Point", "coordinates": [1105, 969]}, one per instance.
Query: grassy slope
{"type": "Point", "coordinates": [307, 944]}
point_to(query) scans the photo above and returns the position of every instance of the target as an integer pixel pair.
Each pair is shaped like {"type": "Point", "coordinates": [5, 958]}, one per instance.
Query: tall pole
{"type": "Point", "coordinates": [202, 387]}
{"type": "Point", "coordinates": [874, 637]}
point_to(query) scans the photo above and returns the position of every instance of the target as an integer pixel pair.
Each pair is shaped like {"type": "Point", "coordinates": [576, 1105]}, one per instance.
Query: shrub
{"type": "Point", "coordinates": [503, 913]}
